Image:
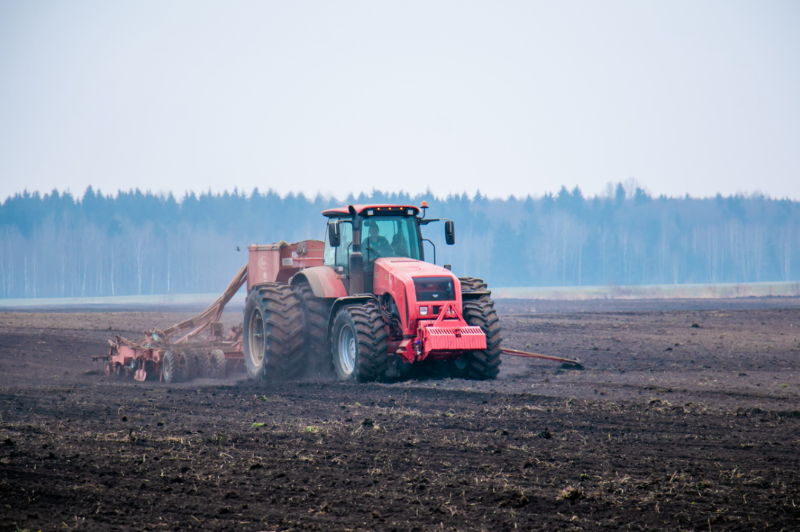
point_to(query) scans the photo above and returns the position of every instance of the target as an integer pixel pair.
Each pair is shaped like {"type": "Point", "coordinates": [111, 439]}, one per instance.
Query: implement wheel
{"type": "Point", "coordinates": [171, 369]}
{"type": "Point", "coordinates": [192, 365]}
{"type": "Point", "coordinates": [359, 343]}
{"type": "Point", "coordinates": [219, 365]}
{"type": "Point", "coordinates": [114, 370]}
{"type": "Point", "coordinates": [204, 369]}
{"type": "Point", "coordinates": [274, 327]}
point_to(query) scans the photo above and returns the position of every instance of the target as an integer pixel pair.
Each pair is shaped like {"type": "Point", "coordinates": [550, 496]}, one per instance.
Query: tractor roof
{"type": "Point", "coordinates": [379, 208]}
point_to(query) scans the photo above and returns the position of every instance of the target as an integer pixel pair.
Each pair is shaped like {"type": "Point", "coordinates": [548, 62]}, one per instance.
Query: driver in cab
{"type": "Point", "coordinates": [376, 245]}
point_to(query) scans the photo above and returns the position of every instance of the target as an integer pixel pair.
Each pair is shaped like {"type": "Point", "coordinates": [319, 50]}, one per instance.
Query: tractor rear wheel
{"type": "Point", "coordinates": [274, 326]}
{"type": "Point", "coordinates": [171, 369]}
{"type": "Point", "coordinates": [316, 310]}
{"type": "Point", "coordinates": [481, 365]}
{"type": "Point", "coordinates": [359, 343]}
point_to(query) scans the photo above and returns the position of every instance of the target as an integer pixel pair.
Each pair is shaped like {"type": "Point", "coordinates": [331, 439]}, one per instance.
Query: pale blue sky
{"type": "Point", "coordinates": [514, 97]}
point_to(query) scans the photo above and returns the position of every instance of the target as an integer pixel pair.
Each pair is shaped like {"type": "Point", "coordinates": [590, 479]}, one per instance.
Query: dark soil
{"type": "Point", "coordinates": [685, 418]}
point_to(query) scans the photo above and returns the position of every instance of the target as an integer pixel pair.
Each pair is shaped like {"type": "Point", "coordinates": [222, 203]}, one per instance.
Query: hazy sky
{"type": "Point", "coordinates": [509, 97]}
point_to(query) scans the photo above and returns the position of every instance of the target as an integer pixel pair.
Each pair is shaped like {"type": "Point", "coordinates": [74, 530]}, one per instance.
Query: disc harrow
{"type": "Point", "coordinates": [195, 348]}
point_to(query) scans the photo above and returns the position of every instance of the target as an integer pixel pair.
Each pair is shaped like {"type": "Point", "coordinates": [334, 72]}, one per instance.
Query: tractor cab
{"type": "Point", "coordinates": [374, 230]}
{"type": "Point", "coordinates": [358, 235]}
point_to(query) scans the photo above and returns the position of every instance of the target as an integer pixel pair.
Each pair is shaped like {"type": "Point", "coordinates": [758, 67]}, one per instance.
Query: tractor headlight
{"type": "Point", "coordinates": [423, 311]}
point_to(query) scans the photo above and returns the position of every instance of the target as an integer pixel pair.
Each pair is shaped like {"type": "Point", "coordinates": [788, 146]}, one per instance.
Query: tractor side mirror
{"type": "Point", "coordinates": [450, 232]}
{"type": "Point", "coordinates": [334, 237]}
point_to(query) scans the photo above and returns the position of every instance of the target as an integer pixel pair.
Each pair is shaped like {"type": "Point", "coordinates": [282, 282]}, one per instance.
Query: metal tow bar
{"type": "Point", "coordinates": [524, 354]}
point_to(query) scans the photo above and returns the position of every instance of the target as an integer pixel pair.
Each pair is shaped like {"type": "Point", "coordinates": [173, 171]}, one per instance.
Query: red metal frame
{"type": "Point", "coordinates": [449, 336]}
{"type": "Point", "coordinates": [143, 360]}
{"type": "Point", "coordinates": [202, 333]}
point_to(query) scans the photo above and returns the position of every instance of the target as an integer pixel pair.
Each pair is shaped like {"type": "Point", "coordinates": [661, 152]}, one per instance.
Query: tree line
{"type": "Point", "coordinates": [134, 242]}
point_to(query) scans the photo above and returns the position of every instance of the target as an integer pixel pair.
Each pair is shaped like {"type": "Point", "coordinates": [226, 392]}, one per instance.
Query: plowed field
{"type": "Point", "coordinates": [686, 417]}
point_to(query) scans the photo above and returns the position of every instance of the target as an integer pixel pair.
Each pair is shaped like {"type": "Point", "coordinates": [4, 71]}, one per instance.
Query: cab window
{"type": "Point", "coordinates": [339, 256]}
{"type": "Point", "coordinates": [389, 236]}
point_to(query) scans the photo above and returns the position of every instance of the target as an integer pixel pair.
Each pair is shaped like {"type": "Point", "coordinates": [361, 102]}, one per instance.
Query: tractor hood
{"type": "Point", "coordinates": [413, 282]}
{"type": "Point", "coordinates": [406, 269]}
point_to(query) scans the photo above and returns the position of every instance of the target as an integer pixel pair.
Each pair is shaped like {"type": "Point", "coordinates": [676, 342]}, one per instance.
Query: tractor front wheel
{"type": "Point", "coordinates": [359, 343]}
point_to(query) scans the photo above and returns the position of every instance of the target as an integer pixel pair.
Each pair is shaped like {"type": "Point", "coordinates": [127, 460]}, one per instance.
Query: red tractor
{"type": "Point", "coordinates": [366, 302]}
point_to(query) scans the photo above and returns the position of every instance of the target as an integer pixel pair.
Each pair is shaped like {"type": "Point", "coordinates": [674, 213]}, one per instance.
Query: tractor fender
{"type": "Point", "coordinates": [323, 281]}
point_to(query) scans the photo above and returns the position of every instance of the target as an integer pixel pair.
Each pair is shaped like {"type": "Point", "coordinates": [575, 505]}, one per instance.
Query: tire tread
{"type": "Point", "coordinates": [484, 364]}
{"type": "Point", "coordinates": [284, 330]}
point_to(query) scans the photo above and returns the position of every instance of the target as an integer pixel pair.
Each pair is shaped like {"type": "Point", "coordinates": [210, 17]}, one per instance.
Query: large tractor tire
{"type": "Point", "coordinates": [473, 284]}
{"type": "Point", "coordinates": [274, 333]}
{"type": "Point", "coordinates": [359, 341]}
{"type": "Point", "coordinates": [316, 311]}
{"type": "Point", "coordinates": [172, 370]}
{"type": "Point", "coordinates": [482, 365]}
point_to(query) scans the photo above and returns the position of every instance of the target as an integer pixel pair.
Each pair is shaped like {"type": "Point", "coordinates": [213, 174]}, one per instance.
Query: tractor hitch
{"type": "Point", "coordinates": [575, 364]}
